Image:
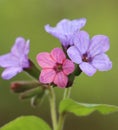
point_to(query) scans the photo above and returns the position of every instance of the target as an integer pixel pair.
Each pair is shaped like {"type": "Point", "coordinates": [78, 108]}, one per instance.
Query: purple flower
{"type": "Point", "coordinates": [90, 54]}
{"type": "Point", "coordinates": [15, 61]}
{"type": "Point", "coordinates": [65, 30]}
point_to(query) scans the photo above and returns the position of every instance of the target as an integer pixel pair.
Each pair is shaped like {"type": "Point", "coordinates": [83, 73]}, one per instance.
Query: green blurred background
{"type": "Point", "coordinates": [27, 18]}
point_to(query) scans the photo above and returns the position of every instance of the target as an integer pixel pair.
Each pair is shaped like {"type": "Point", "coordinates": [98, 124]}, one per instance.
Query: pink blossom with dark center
{"type": "Point", "coordinates": [15, 61]}
{"type": "Point", "coordinates": [90, 54]}
{"type": "Point", "coordinates": [65, 30]}
{"type": "Point", "coordinates": [55, 67]}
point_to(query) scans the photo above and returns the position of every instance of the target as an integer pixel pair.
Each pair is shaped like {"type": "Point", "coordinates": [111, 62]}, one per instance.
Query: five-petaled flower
{"type": "Point", "coordinates": [65, 30]}
{"type": "Point", "coordinates": [90, 54]}
{"type": "Point", "coordinates": [55, 67]}
{"type": "Point", "coordinates": [15, 61]}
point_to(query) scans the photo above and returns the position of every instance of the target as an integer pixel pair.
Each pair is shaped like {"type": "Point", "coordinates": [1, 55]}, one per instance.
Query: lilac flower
{"type": "Point", "coordinates": [90, 54]}
{"type": "Point", "coordinates": [65, 30]}
{"type": "Point", "coordinates": [55, 67]}
{"type": "Point", "coordinates": [15, 61]}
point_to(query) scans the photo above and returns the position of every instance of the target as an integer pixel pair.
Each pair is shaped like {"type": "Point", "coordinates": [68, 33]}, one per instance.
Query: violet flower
{"type": "Point", "coordinates": [65, 30]}
{"type": "Point", "coordinates": [55, 67]}
{"type": "Point", "coordinates": [90, 54]}
{"type": "Point", "coordinates": [15, 61]}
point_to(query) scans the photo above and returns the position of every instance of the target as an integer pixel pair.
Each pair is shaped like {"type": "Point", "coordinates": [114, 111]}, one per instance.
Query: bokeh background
{"type": "Point", "coordinates": [27, 18]}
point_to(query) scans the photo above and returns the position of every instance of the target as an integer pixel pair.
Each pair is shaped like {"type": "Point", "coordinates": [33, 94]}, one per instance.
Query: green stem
{"type": "Point", "coordinates": [53, 107]}
{"type": "Point", "coordinates": [67, 93]}
{"type": "Point", "coordinates": [62, 115]}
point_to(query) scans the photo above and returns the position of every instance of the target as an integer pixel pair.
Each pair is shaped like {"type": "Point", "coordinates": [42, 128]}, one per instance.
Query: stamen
{"type": "Point", "coordinates": [85, 58]}
{"type": "Point", "coordinates": [58, 67]}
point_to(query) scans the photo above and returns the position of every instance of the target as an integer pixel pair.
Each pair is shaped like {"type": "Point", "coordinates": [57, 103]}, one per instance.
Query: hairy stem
{"type": "Point", "coordinates": [67, 93]}
{"type": "Point", "coordinates": [53, 107]}
{"type": "Point", "coordinates": [62, 115]}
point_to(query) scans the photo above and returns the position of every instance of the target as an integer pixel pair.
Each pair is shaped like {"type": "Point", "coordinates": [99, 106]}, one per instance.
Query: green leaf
{"type": "Point", "coordinates": [26, 123]}
{"type": "Point", "coordinates": [85, 109]}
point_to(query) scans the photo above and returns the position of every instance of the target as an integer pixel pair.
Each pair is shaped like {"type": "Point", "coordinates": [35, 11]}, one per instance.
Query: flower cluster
{"type": "Point", "coordinates": [58, 65]}
{"type": "Point", "coordinates": [88, 54]}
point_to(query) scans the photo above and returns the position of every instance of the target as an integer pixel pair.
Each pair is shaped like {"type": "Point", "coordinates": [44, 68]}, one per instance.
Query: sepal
{"type": "Point", "coordinates": [31, 93]}
{"type": "Point", "coordinates": [33, 71]}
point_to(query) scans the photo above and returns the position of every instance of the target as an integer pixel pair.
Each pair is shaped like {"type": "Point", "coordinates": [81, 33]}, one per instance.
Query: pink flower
{"type": "Point", "coordinates": [55, 67]}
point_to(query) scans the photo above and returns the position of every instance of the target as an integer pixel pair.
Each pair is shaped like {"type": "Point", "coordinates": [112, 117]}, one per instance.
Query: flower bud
{"type": "Point", "coordinates": [37, 99]}
{"type": "Point", "coordinates": [31, 93]}
{"type": "Point", "coordinates": [22, 86]}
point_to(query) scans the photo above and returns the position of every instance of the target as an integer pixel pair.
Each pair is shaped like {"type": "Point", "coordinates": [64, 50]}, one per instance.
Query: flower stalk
{"type": "Point", "coordinates": [53, 107]}
{"type": "Point", "coordinates": [63, 115]}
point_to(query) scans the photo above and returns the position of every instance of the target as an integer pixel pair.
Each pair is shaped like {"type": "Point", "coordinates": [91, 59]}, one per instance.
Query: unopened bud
{"type": "Point", "coordinates": [37, 100]}
{"type": "Point", "coordinates": [21, 86]}
{"type": "Point", "coordinates": [32, 92]}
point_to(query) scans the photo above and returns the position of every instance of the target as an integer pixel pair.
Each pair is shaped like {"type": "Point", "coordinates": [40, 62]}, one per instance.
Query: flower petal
{"type": "Point", "coordinates": [24, 62]}
{"type": "Point", "coordinates": [65, 29]}
{"type": "Point", "coordinates": [74, 54]}
{"type": "Point", "coordinates": [81, 41]}
{"type": "Point", "coordinates": [77, 24]}
{"type": "Point", "coordinates": [21, 47]}
{"type": "Point", "coordinates": [44, 60]}
{"type": "Point", "coordinates": [55, 31]}
{"type": "Point", "coordinates": [102, 62]}
{"type": "Point", "coordinates": [11, 72]}
{"type": "Point", "coordinates": [61, 80]}
{"type": "Point", "coordinates": [58, 55]}
{"type": "Point", "coordinates": [99, 44]}
{"type": "Point", "coordinates": [68, 67]}
{"type": "Point", "coordinates": [66, 26]}
{"type": "Point", "coordinates": [27, 47]}
{"type": "Point", "coordinates": [87, 68]}
{"type": "Point", "coordinates": [8, 60]}
{"type": "Point", "coordinates": [47, 76]}
{"type": "Point", "coordinates": [59, 33]}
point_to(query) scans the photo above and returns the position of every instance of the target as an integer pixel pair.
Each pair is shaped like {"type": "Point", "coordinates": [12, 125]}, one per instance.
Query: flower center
{"type": "Point", "coordinates": [85, 58]}
{"type": "Point", "coordinates": [58, 67]}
